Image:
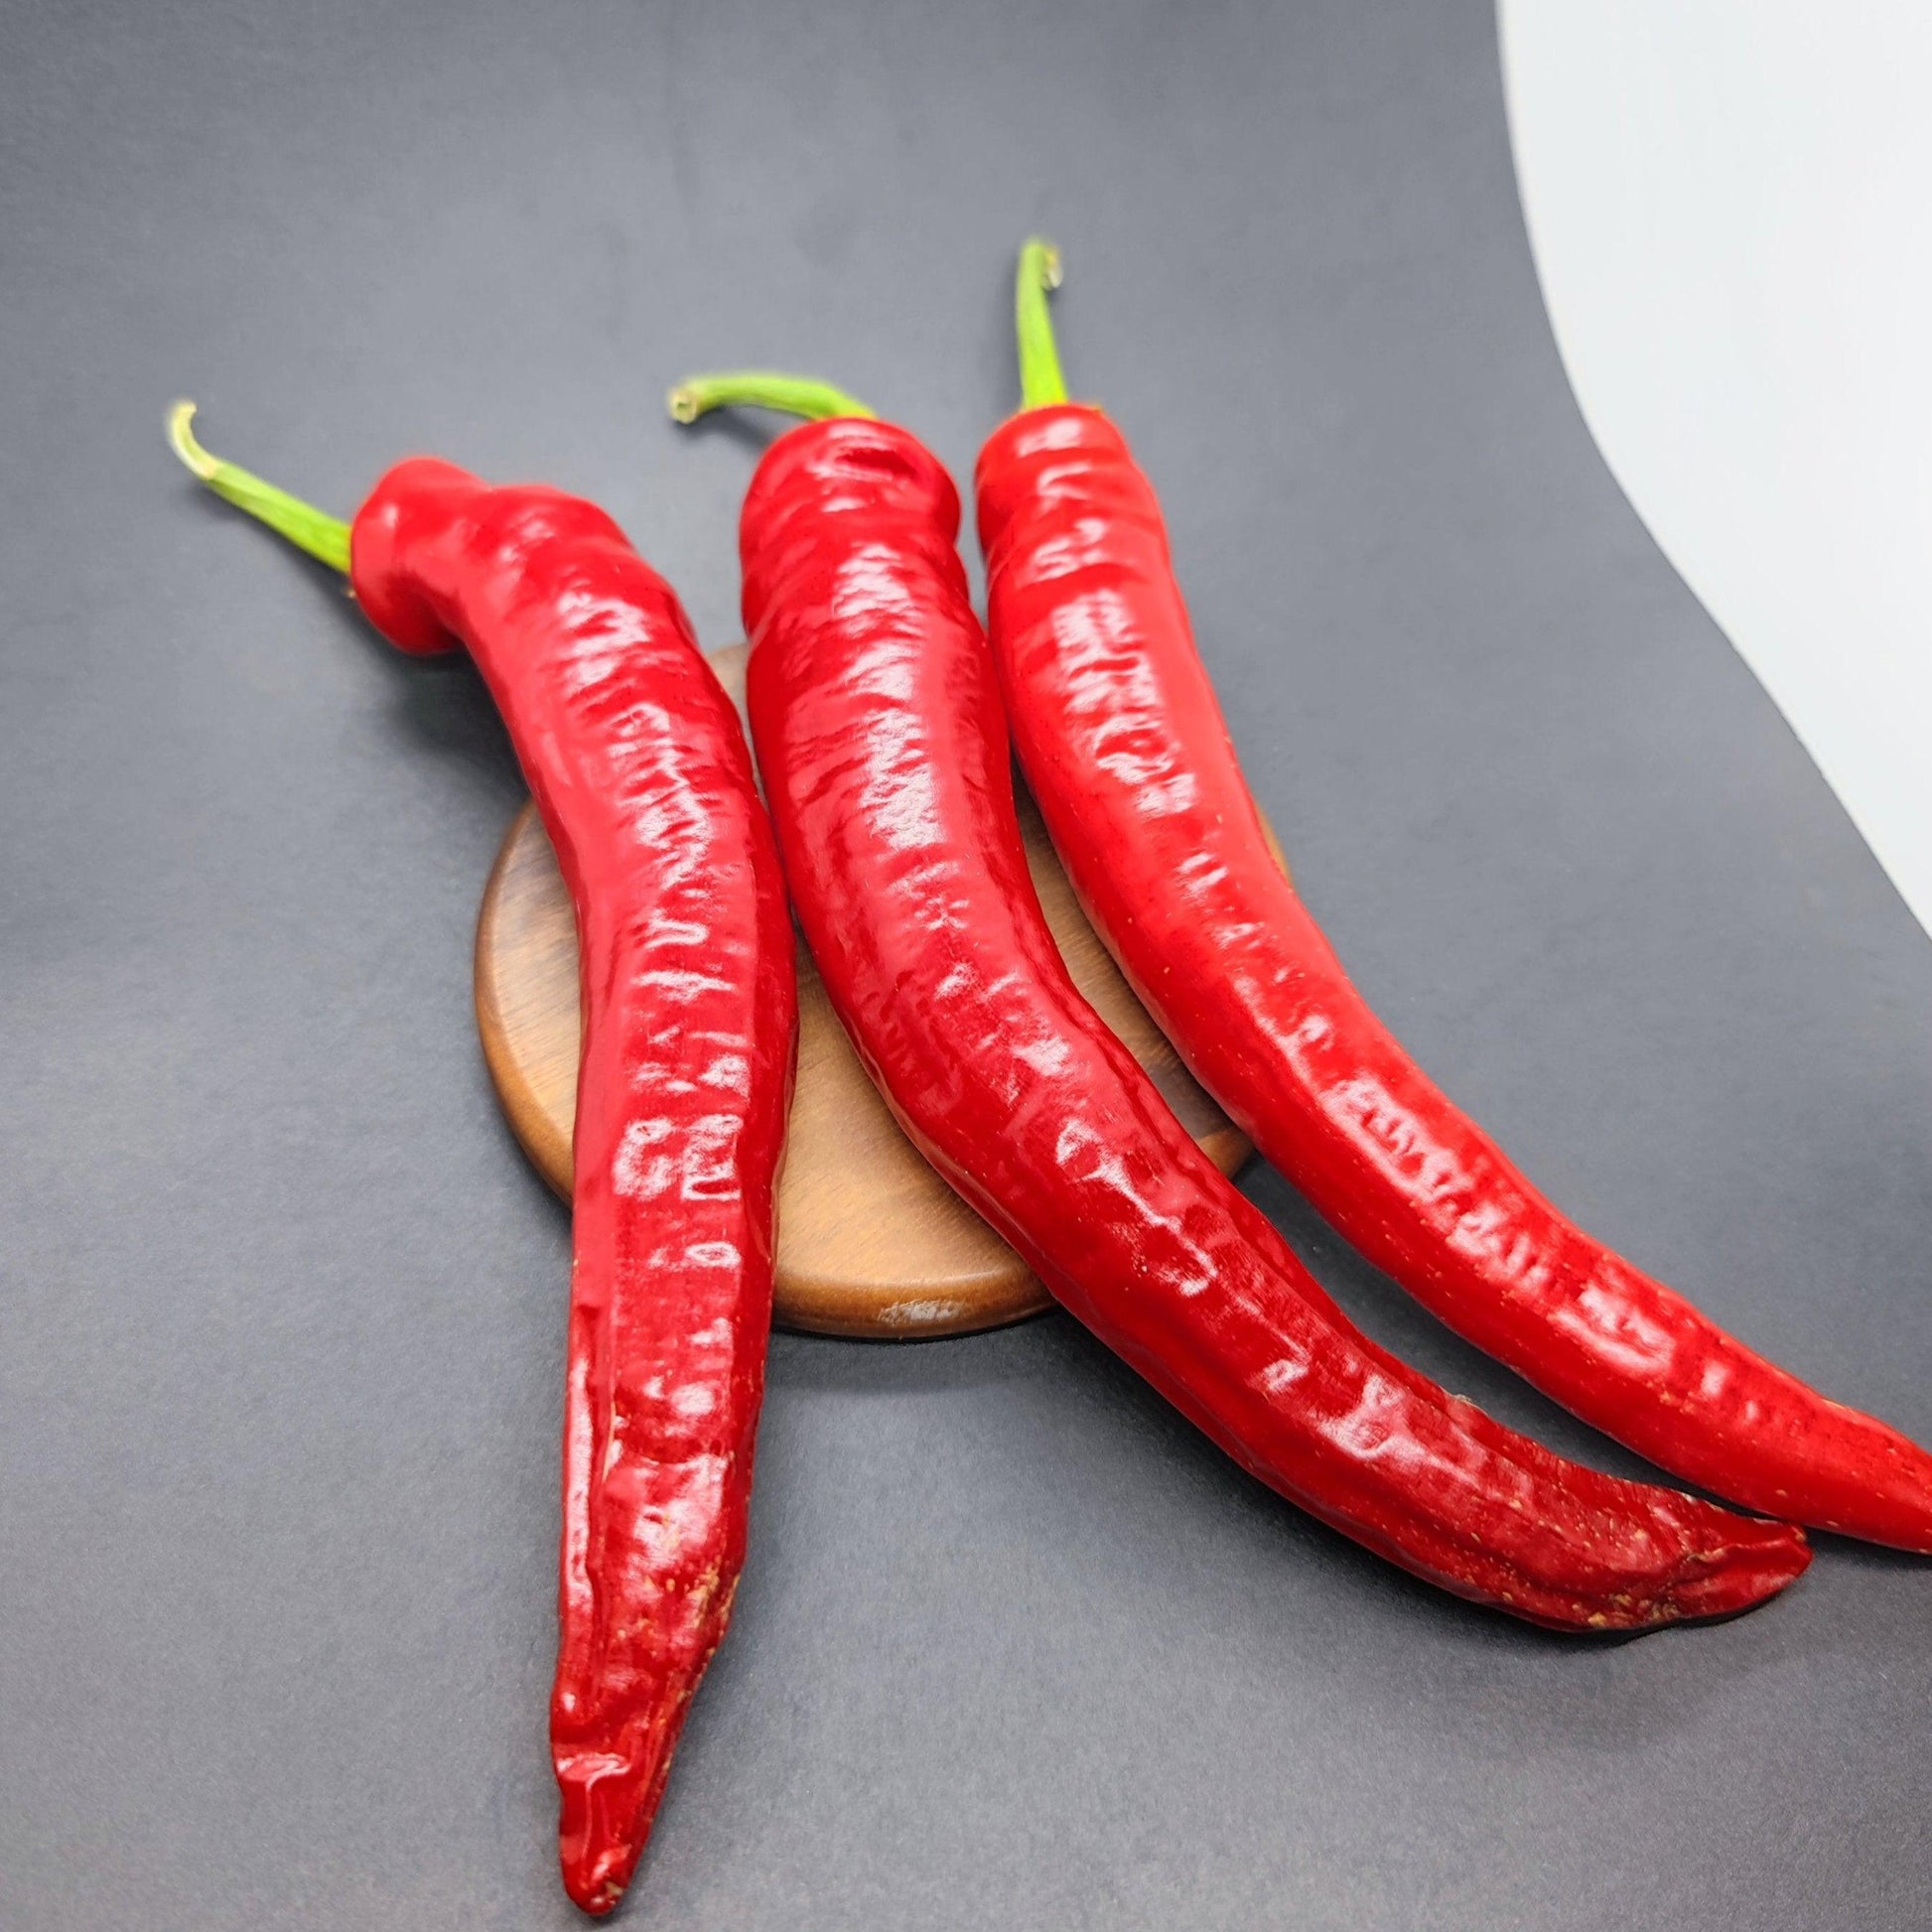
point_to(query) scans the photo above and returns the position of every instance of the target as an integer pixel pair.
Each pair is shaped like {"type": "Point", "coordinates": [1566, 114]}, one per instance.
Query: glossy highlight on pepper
{"type": "Point", "coordinates": [641, 775]}
{"type": "Point", "coordinates": [1125, 747]}
{"type": "Point", "coordinates": [880, 734]}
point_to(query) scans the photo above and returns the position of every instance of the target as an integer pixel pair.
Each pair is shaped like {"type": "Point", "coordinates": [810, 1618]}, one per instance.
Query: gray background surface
{"type": "Point", "coordinates": [281, 1331]}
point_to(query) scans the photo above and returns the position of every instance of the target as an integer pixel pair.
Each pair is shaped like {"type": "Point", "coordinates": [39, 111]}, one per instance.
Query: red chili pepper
{"type": "Point", "coordinates": [1126, 750]}
{"type": "Point", "coordinates": [640, 772]}
{"type": "Point", "coordinates": [878, 725]}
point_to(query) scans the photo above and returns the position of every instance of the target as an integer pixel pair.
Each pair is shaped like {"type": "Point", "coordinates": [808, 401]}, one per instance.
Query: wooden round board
{"type": "Point", "coordinates": [871, 1241]}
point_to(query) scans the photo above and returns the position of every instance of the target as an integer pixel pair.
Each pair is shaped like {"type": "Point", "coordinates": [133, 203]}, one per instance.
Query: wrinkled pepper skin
{"type": "Point", "coordinates": [641, 775]}
{"type": "Point", "coordinates": [1125, 747]}
{"type": "Point", "coordinates": [878, 725]}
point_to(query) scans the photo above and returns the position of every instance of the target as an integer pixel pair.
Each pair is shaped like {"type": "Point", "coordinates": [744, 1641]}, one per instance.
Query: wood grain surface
{"type": "Point", "coordinates": [871, 1241]}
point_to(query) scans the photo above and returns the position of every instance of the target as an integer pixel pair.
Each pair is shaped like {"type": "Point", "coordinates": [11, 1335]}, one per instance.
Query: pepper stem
{"type": "Point", "coordinates": [794, 395]}
{"type": "Point", "coordinates": [323, 536]}
{"type": "Point", "coordinates": [1040, 380]}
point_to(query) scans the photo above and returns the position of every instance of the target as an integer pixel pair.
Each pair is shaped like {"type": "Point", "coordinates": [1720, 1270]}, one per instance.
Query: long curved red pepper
{"type": "Point", "coordinates": [1125, 747]}
{"type": "Point", "coordinates": [640, 772]}
{"type": "Point", "coordinates": [878, 725]}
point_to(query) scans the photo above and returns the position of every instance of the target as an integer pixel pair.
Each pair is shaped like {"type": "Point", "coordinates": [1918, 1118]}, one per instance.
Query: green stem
{"type": "Point", "coordinates": [794, 395]}
{"type": "Point", "coordinates": [1040, 380]}
{"type": "Point", "coordinates": [323, 536]}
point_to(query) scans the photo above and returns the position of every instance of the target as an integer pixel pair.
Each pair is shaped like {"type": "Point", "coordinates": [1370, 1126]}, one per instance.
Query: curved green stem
{"type": "Point", "coordinates": [1040, 380]}
{"type": "Point", "coordinates": [794, 395]}
{"type": "Point", "coordinates": [323, 536]}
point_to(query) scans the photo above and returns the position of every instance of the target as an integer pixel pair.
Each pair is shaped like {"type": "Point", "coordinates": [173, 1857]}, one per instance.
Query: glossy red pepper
{"type": "Point", "coordinates": [878, 727]}
{"type": "Point", "coordinates": [640, 772]}
{"type": "Point", "coordinates": [1125, 747]}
